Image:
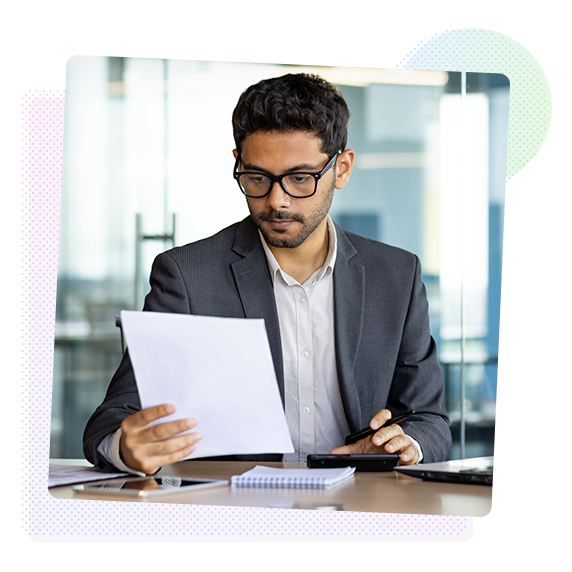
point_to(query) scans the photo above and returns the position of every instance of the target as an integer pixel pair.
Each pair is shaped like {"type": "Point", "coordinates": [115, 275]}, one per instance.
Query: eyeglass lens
{"type": "Point", "coordinates": [297, 184]}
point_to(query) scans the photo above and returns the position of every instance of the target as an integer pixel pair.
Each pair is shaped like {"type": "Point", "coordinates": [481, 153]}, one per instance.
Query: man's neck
{"type": "Point", "coordinates": [301, 262]}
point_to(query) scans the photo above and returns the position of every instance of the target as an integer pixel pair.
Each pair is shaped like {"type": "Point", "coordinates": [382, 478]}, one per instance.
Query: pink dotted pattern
{"type": "Point", "coordinates": [46, 518]}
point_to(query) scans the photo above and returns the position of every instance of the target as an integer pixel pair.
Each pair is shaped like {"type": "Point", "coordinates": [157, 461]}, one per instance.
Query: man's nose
{"type": "Point", "coordinates": [277, 198]}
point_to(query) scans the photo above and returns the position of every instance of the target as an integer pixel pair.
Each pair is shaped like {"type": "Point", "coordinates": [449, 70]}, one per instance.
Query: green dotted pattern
{"type": "Point", "coordinates": [486, 51]}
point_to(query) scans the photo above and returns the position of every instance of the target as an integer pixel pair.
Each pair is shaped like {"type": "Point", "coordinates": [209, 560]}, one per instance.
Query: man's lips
{"type": "Point", "coordinates": [280, 224]}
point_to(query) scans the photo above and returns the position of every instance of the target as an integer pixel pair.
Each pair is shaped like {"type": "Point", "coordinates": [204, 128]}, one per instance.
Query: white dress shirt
{"type": "Point", "coordinates": [313, 403]}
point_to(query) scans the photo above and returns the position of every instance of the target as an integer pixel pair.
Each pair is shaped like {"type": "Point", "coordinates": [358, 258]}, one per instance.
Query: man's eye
{"type": "Point", "coordinates": [256, 179]}
{"type": "Point", "coordinates": [299, 179]}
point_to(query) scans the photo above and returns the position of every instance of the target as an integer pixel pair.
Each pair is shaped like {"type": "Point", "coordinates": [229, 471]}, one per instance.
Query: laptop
{"type": "Point", "coordinates": [476, 471]}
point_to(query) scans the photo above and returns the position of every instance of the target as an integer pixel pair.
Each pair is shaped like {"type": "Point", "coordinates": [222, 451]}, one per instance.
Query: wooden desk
{"type": "Point", "coordinates": [366, 492]}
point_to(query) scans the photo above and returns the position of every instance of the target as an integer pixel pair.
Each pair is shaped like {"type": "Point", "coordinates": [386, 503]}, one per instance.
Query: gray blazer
{"type": "Point", "coordinates": [385, 354]}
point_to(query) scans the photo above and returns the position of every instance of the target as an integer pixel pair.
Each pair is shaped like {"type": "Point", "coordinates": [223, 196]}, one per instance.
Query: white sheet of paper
{"type": "Point", "coordinates": [70, 474]}
{"type": "Point", "coordinates": [217, 370]}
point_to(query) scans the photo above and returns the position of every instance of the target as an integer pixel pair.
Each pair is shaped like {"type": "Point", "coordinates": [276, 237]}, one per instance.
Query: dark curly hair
{"type": "Point", "coordinates": [293, 102]}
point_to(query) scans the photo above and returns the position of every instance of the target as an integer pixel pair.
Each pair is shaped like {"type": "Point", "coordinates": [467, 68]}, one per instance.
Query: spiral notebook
{"type": "Point", "coordinates": [276, 478]}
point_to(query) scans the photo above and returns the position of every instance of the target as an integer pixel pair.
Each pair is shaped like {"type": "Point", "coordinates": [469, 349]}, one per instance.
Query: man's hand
{"type": "Point", "coordinates": [388, 440]}
{"type": "Point", "coordinates": [147, 449]}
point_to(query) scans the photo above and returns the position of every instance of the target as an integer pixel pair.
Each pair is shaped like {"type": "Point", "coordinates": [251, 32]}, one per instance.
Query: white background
{"type": "Point", "coordinates": [529, 520]}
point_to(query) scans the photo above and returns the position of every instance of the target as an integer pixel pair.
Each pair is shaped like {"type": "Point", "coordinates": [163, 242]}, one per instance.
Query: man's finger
{"type": "Point", "coordinates": [385, 434]}
{"type": "Point", "coordinates": [170, 446]}
{"type": "Point", "coordinates": [171, 458]}
{"type": "Point", "coordinates": [145, 416]}
{"type": "Point", "coordinates": [380, 418]}
{"type": "Point", "coordinates": [150, 465]}
{"type": "Point", "coordinates": [149, 457]}
{"type": "Point", "coordinates": [360, 448]}
{"type": "Point", "coordinates": [150, 414]}
{"type": "Point", "coordinates": [396, 443]}
{"type": "Point", "coordinates": [163, 431]}
{"type": "Point", "coordinates": [409, 455]}
{"type": "Point", "coordinates": [345, 450]}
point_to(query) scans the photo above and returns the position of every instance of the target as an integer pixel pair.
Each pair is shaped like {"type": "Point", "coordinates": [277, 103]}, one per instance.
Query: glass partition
{"type": "Point", "coordinates": [147, 164]}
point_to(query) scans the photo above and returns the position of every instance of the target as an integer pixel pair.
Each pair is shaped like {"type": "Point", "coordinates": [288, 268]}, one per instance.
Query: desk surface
{"type": "Point", "coordinates": [366, 492]}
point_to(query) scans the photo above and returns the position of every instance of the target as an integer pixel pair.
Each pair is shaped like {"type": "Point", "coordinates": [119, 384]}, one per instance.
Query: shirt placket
{"type": "Point", "coordinates": [304, 349]}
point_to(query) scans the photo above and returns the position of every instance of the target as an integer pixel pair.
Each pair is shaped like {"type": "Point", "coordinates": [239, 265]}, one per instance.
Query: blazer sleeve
{"type": "Point", "coordinates": [168, 294]}
{"type": "Point", "coordinates": [418, 382]}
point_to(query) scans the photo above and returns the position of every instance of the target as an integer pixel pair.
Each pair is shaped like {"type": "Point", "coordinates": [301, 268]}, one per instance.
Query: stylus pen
{"type": "Point", "coordinates": [355, 437]}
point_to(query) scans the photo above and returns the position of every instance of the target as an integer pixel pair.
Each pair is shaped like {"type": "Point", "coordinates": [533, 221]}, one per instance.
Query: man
{"type": "Point", "coordinates": [346, 316]}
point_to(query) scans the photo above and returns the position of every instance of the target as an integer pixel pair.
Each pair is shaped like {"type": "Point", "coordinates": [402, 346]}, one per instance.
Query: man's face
{"type": "Point", "coordinates": [286, 222]}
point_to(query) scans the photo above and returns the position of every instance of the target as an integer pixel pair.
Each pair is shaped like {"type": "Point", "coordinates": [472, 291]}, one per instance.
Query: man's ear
{"type": "Point", "coordinates": [344, 166]}
{"type": "Point", "coordinates": [235, 153]}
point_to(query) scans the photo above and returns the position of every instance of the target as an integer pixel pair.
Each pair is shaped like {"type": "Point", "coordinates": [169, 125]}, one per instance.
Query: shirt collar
{"type": "Point", "coordinates": [323, 272]}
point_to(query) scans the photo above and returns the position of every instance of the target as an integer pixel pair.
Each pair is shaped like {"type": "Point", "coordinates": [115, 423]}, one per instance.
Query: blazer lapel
{"type": "Point", "coordinates": [349, 308]}
{"type": "Point", "coordinates": [256, 292]}
{"type": "Point", "coordinates": [255, 289]}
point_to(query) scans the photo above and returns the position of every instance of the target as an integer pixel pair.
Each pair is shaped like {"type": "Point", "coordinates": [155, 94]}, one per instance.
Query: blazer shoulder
{"type": "Point", "coordinates": [217, 247]}
{"type": "Point", "coordinates": [368, 250]}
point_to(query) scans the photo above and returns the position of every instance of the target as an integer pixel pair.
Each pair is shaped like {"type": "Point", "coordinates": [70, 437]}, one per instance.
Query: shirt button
{"type": "Point", "coordinates": [305, 354]}
{"type": "Point", "coordinates": [302, 299]}
{"type": "Point", "coordinates": [306, 410]}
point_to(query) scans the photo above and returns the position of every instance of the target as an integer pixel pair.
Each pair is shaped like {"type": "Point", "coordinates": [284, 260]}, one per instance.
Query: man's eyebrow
{"type": "Point", "coordinates": [296, 168]}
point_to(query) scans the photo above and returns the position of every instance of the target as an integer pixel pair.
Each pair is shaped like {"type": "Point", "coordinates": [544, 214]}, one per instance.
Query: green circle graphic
{"type": "Point", "coordinates": [486, 51]}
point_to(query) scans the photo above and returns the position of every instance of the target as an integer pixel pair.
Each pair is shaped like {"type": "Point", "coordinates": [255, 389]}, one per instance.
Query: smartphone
{"type": "Point", "coordinates": [144, 487]}
{"type": "Point", "coordinates": [372, 463]}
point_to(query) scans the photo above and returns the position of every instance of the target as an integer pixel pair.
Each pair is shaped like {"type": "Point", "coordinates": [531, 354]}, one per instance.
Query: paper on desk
{"type": "Point", "coordinates": [69, 474]}
{"type": "Point", "coordinates": [217, 370]}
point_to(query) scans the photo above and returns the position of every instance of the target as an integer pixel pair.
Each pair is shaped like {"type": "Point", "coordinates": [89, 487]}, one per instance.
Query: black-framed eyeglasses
{"type": "Point", "coordinates": [299, 185]}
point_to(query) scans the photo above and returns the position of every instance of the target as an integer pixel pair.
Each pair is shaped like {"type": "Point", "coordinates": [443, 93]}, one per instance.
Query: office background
{"type": "Point", "coordinates": [147, 164]}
